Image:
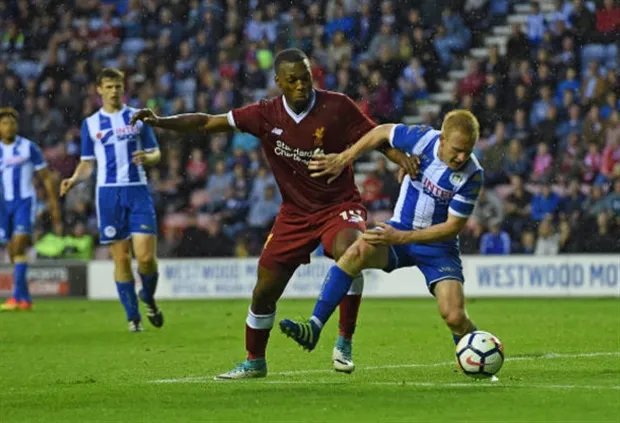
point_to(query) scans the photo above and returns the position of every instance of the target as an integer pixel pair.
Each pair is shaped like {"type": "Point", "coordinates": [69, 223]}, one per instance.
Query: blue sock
{"type": "Point", "coordinates": [20, 283]}
{"type": "Point", "coordinates": [149, 282]}
{"type": "Point", "coordinates": [335, 286]}
{"type": "Point", "coordinates": [457, 338]}
{"type": "Point", "coordinates": [129, 299]}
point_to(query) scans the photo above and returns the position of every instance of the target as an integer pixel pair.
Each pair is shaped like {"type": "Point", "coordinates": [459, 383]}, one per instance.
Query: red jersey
{"type": "Point", "coordinates": [331, 123]}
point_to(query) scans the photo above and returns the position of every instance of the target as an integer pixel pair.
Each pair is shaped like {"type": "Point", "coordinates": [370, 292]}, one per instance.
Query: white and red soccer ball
{"type": "Point", "coordinates": [480, 354]}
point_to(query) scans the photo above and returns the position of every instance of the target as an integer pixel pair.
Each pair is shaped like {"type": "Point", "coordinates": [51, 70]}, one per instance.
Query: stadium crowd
{"type": "Point", "coordinates": [549, 108]}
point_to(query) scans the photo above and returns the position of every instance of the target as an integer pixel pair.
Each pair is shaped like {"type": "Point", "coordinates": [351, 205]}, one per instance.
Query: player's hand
{"type": "Point", "coordinates": [384, 234]}
{"type": "Point", "coordinates": [141, 157]}
{"type": "Point", "coordinates": [326, 164]}
{"type": "Point", "coordinates": [66, 185]}
{"type": "Point", "coordinates": [409, 165]}
{"type": "Point", "coordinates": [145, 115]}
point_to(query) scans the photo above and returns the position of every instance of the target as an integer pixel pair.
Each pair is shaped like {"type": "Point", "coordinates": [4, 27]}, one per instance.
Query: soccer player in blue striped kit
{"type": "Point", "coordinates": [125, 209]}
{"type": "Point", "coordinates": [20, 160]}
{"type": "Point", "coordinates": [431, 210]}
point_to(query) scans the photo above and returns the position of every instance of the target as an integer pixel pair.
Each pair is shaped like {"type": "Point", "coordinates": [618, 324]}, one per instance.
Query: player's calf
{"type": "Point", "coordinates": [451, 303]}
{"type": "Point", "coordinates": [144, 247]}
{"type": "Point", "coordinates": [125, 284]}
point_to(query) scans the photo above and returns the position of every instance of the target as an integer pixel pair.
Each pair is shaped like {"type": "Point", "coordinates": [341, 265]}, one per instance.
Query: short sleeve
{"type": "Point", "coordinates": [37, 157]}
{"type": "Point", "coordinates": [463, 202]}
{"type": "Point", "coordinates": [355, 122]}
{"type": "Point", "coordinates": [247, 119]}
{"type": "Point", "coordinates": [405, 137]}
{"type": "Point", "coordinates": [149, 141]}
{"type": "Point", "coordinates": [88, 150]}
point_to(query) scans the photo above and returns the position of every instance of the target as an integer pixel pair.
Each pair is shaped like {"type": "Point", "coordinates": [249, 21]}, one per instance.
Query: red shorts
{"type": "Point", "coordinates": [293, 238]}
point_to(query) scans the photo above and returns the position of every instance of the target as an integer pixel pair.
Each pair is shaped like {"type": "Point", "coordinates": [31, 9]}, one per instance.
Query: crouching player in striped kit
{"type": "Point", "coordinates": [430, 212]}
{"type": "Point", "coordinates": [125, 209]}
{"type": "Point", "coordinates": [20, 159]}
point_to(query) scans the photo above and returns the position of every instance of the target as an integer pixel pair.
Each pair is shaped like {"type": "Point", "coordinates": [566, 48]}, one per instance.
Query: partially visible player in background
{"type": "Point", "coordinates": [326, 211]}
{"type": "Point", "coordinates": [20, 159]}
{"type": "Point", "coordinates": [431, 210]}
{"type": "Point", "coordinates": [125, 209]}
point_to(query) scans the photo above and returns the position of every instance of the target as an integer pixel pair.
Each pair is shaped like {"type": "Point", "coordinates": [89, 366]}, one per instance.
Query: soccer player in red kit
{"type": "Point", "coordinates": [328, 210]}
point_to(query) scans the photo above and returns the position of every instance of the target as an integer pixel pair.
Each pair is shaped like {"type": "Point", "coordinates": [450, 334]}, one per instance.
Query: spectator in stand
{"type": "Point", "coordinates": [495, 242]}
{"type": "Point", "coordinates": [573, 202]}
{"type": "Point", "coordinates": [593, 85]}
{"type": "Point", "coordinates": [219, 182]}
{"type": "Point", "coordinates": [518, 207]}
{"type": "Point", "coordinates": [541, 106]}
{"type": "Point", "coordinates": [515, 160]}
{"type": "Point", "coordinates": [570, 243]}
{"type": "Point", "coordinates": [592, 163]}
{"type": "Point", "coordinates": [473, 83]}
{"type": "Point", "coordinates": [611, 153]}
{"type": "Point", "coordinates": [548, 242]}
{"type": "Point", "coordinates": [197, 168]}
{"type": "Point", "coordinates": [595, 203]}
{"type": "Point", "coordinates": [594, 127]}
{"type": "Point", "coordinates": [528, 243]}
{"type": "Point", "coordinates": [545, 203]}
{"type": "Point", "coordinates": [469, 238]}
{"type": "Point", "coordinates": [612, 200]}
{"type": "Point", "coordinates": [489, 208]}
{"type": "Point", "coordinates": [536, 25]}
{"type": "Point", "coordinates": [517, 47]}
{"type": "Point", "coordinates": [604, 240]}
{"type": "Point", "coordinates": [573, 125]}
{"type": "Point", "coordinates": [543, 163]}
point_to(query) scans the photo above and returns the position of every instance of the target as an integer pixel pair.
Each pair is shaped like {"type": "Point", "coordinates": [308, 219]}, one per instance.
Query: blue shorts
{"type": "Point", "coordinates": [17, 217]}
{"type": "Point", "coordinates": [123, 211]}
{"type": "Point", "coordinates": [437, 262]}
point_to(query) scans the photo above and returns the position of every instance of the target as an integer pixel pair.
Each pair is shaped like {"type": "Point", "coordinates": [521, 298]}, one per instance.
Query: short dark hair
{"type": "Point", "coordinates": [9, 111]}
{"type": "Point", "coordinates": [290, 55]}
{"type": "Point", "coordinates": [109, 73]}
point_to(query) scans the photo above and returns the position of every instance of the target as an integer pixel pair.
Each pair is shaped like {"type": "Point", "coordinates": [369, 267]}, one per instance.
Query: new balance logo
{"type": "Point", "coordinates": [277, 131]}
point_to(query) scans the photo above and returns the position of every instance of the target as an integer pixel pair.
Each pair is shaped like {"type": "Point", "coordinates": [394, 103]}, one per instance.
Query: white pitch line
{"type": "Point", "coordinates": [549, 356]}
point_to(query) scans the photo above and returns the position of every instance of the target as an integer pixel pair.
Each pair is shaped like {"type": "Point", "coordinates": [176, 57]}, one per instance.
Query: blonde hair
{"type": "Point", "coordinates": [9, 111]}
{"type": "Point", "coordinates": [463, 121]}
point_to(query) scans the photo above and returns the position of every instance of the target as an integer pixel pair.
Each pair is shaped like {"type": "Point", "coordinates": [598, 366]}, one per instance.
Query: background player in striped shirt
{"type": "Point", "coordinates": [20, 159]}
{"type": "Point", "coordinates": [431, 210]}
{"type": "Point", "coordinates": [125, 208]}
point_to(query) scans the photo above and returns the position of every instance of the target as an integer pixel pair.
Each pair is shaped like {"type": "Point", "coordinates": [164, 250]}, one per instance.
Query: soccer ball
{"type": "Point", "coordinates": [480, 354]}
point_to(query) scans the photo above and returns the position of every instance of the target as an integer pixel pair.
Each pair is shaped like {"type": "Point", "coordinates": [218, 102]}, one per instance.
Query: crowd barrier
{"type": "Point", "coordinates": [485, 276]}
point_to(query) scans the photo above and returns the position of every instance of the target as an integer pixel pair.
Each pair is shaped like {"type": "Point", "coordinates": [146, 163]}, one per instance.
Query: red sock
{"type": "Point", "coordinates": [349, 307]}
{"type": "Point", "coordinates": [257, 329]}
{"type": "Point", "coordinates": [256, 342]}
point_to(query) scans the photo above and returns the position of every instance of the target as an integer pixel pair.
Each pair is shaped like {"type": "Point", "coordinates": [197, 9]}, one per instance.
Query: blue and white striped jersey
{"type": "Point", "coordinates": [437, 190]}
{"type": "Point", "coordinates": [18, 162]}
{"type": "Point", "coordinates": [111, 140]}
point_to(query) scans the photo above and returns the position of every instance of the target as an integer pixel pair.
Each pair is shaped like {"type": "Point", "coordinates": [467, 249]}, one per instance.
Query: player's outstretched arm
{"type": "Point", "coordinates": [186, 122]}
{"type": "Point", "coordinates": [52, 196]}
{"type": "Point", "coordinates": [82, 173]}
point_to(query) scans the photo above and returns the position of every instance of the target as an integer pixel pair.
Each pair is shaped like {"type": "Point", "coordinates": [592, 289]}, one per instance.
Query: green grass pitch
{"type": "Point", "coordinates": [74, 361]}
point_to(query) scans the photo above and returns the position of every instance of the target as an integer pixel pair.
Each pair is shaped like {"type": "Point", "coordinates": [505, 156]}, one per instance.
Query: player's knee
{"type": "Point", "coordinates": [359, 253]}
{"type": "Point", "coordinates": [455, 318]}
{"type": "Point", "coordinates": [146, 260]}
